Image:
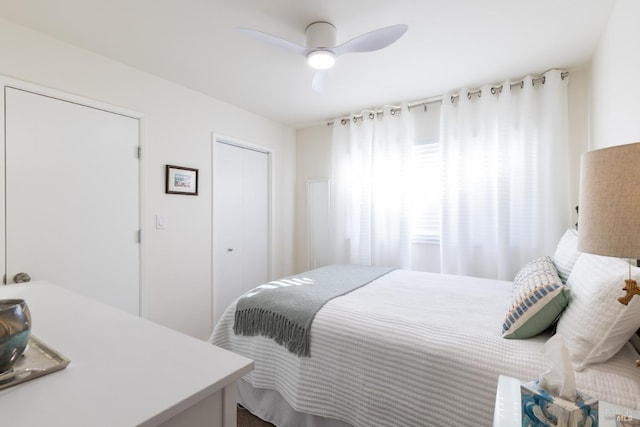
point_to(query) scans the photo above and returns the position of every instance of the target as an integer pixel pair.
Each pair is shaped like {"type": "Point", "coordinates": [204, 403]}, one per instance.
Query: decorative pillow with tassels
{"type": "Point", "coordinates": [539, 296]}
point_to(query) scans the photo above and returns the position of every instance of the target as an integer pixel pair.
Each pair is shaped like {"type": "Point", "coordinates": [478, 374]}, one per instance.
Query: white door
{"type": "Point", "coordinates": [241, 222]}
{"type": "Point", "coordinates": [72, 197]}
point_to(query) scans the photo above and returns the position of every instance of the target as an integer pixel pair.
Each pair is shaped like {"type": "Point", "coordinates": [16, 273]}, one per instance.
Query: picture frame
{"type": "Point", "coordinates": [181, 180]}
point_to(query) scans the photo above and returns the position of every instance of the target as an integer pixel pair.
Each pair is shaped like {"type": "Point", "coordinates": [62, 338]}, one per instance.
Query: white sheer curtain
{"type": "Point", "coordinates": [505, 158]}
{"type": "Point", "coordinates": [370, 189]}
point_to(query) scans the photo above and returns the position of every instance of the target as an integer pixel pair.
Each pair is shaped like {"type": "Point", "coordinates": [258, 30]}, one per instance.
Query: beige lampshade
{"type": "Point", "coordinates": [609, 209]}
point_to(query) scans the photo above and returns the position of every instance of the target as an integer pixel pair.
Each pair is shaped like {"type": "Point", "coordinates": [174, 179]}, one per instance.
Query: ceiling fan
{"type": "Point", "coordinates": [321, 50]}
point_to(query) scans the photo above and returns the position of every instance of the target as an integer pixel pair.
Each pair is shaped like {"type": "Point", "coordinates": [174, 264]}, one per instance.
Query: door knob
{"type": "Point", "coordinates": [21, 278]}
{"type": "Point", "coordinates": [230, 250]}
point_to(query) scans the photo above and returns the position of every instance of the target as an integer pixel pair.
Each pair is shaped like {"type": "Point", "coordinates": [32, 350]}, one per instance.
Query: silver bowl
{"type": "Point", "coordinates": [15, 328]}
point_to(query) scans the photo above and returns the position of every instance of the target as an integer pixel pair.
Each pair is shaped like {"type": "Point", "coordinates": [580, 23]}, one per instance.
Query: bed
{"type": "Point", "coordinates": [414, 349]}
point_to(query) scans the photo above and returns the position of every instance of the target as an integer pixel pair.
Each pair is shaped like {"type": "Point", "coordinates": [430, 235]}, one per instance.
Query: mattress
{"type": "Point", "coordinates": [413, 349]}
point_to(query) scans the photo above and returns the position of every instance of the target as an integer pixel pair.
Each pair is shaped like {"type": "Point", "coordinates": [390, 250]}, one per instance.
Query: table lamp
{"type": "Point", "coordinates": [609, 222]}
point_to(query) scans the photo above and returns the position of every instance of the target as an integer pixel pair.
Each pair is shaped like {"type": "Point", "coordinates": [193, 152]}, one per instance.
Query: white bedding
{"type": "Point", "coordinates": [414, 349]}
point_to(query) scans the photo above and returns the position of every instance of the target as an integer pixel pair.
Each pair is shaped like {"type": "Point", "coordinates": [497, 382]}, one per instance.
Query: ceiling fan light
{"type": "Point", "coordinates": [321, 59]}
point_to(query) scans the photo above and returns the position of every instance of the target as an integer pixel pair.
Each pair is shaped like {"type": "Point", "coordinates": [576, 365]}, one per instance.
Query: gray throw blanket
{"type": "Point", "coordinates": [284, 309]}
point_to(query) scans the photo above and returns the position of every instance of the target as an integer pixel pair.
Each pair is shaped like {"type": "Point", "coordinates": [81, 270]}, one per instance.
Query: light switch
{"type": "Point", "coordinates": [161, 222]}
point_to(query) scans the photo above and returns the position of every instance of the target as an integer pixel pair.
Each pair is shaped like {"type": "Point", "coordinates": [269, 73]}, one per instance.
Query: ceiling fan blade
{"type": "Point", "coordinates": [320, 81]}
{"type": "Point", "coordinates": [273, 40]}
{"type": "Point", "coordinates": [373, 40]}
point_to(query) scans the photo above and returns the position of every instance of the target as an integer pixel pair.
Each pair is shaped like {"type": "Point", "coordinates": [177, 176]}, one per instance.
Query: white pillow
{"type": "Point", "coordinates": [595, 325]}
{"type": "Point", "coordinates": [566, 254]}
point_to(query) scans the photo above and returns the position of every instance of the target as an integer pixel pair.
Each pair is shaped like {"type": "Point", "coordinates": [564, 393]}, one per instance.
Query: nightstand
{"type": "Point", "coordinates": [507, 412]}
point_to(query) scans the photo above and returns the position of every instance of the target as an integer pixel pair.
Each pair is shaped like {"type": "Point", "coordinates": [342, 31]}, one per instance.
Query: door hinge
{"type": "Point", "coordinates": [139, 236]}
{"type": "Point", "coordinates": [139, 151]}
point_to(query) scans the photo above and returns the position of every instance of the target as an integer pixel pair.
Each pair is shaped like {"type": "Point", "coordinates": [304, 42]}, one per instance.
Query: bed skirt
{"type": "Point", "coordinates": [269, 405]}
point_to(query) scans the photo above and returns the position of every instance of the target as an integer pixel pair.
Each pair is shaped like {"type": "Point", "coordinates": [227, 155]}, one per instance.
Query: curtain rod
{"type": "Point", "coordinates": [436, 99]}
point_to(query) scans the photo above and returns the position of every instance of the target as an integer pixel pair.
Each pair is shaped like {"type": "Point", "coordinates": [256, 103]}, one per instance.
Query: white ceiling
{"type": "Point", "coordinates": [450, 44]}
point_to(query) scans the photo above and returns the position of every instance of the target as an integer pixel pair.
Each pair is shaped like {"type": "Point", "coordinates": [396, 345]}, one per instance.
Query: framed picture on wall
{"type": "Point", "coordinates": [181, 180]}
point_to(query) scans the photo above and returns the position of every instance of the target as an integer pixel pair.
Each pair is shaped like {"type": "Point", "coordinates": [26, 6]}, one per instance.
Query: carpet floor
{"type": "Point", "coordinates": [247, 419]}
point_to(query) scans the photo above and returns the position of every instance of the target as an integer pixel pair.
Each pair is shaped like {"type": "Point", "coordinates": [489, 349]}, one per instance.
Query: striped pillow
{"type": "Point", "coordinates": [539, 296]}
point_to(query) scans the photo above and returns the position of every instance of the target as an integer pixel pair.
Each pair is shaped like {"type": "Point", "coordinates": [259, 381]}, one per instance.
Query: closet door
{"type": "Point", "coordinates": [241, 222]}
{"type": "Point", "coordinates": [72, 197]}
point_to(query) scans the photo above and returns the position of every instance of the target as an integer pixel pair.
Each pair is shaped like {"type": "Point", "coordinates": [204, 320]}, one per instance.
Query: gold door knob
{"type": "Point", "coordinates": [21, 278]}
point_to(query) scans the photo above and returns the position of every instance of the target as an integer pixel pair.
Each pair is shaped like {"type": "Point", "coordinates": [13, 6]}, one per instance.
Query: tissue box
{"type": "Point", "coordinates": [539, 408]}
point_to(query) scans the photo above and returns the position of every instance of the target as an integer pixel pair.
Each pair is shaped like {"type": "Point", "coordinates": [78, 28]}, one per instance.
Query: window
{"type": "Point", "coordinates": [426, 191]}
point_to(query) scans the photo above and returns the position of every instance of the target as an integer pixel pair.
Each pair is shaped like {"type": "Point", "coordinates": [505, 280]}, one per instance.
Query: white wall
{"type": "Point", "coordinates": [578, 127]}
{"type": "Point", "coordinates": [178, 130]}
{"type": "Point", "coordinates": [313, 162]}
{"type": "Point", "coordinates": [615, 110]}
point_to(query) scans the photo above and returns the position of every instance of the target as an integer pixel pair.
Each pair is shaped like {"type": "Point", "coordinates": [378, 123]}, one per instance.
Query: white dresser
{"type": "Point", "coordinates": [124, 371]}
